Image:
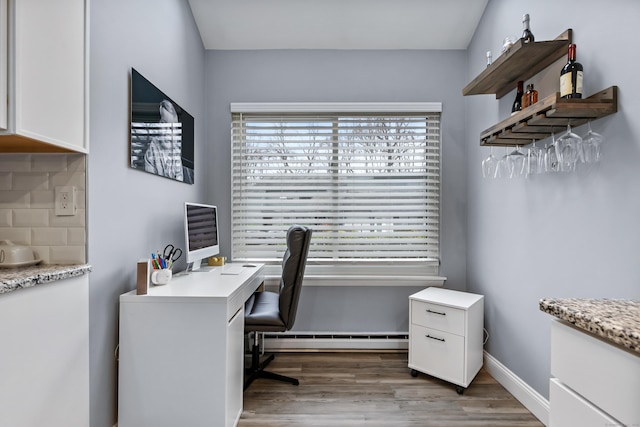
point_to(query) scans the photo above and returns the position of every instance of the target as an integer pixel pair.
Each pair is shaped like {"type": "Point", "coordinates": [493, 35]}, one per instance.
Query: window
{"type": "Point", "coordinates": [364, 177]}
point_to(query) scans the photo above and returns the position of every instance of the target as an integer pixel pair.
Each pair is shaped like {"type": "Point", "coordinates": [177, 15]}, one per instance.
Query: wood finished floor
{"type": "Point", "coordinates": [374, 389]}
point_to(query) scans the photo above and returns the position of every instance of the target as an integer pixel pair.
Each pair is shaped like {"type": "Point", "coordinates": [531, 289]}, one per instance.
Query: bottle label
{"type": "Point", "coordinates": [566, 87]}
{"type": "Point", "coordinates": [579, 82]}
{"type": "Point", "coordinates": [565, 84]}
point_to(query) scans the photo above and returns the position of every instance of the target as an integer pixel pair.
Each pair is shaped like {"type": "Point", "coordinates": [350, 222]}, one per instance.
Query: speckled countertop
{"type": "Point", "coordinates": [12, 279]}
{"type": "Point", "coordinates": [613, 319]}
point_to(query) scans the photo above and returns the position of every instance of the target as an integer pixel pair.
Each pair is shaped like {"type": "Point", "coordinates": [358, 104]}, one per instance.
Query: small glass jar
{"type": "Point", "coordinates": [530, 96]}
{"type": "Point", "coordinates": [508, 42]}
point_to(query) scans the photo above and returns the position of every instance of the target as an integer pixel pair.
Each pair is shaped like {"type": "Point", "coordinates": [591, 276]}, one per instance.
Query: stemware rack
{"type": "Point", "coordinates": [549, 115]}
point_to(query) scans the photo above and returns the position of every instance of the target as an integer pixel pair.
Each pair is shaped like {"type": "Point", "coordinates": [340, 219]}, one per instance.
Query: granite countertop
{"type": "Point", "coordinates": [616, 320]}
{"type": "Point", "coordinates": [12, 279]}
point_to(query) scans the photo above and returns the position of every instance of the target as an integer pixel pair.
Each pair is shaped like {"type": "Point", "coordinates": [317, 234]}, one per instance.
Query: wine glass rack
{"type": "Point", "coordinates": [552, 113]}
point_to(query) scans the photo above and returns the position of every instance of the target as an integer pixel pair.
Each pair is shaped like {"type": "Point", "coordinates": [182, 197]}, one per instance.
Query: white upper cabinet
{"type": "Point", "coordinates": [46, 85]}
{"type": "Point", "coordinates": [4, 55]}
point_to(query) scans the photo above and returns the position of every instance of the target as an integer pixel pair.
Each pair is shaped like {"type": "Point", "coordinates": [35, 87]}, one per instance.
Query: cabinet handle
{"type": "Point", "coordinates": [436, 312]}
{"type": "Point", "coordinates": [435, 338]}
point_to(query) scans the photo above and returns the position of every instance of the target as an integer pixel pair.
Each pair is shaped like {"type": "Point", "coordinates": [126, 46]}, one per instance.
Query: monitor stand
{"type": "Point", "coordinates": [199, 267]}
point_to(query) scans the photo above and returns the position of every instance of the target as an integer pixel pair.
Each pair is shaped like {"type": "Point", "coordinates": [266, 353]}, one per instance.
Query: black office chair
{"type": "Point", "coordinates": [276, 312]}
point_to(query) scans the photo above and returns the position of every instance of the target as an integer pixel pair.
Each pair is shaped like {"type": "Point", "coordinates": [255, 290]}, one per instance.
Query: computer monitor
{"type": "Point", "coordinates": [201, 232]}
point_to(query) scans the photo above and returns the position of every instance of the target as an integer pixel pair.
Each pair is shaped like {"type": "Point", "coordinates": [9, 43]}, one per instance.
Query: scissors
{"type": "Point", "coordinates": [171, 253]}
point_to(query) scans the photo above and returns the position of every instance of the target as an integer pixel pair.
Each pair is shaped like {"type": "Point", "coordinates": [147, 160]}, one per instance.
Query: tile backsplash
{"type": "Point", "coordinates": [27, 215]}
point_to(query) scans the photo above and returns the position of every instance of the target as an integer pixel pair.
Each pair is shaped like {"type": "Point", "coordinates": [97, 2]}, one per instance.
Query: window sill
{"type": "Point", "coordinates": [366, 280]}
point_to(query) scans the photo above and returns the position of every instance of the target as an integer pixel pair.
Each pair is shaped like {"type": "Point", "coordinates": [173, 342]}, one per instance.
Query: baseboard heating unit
{"type": "Point", "coordinates": [335, 341]}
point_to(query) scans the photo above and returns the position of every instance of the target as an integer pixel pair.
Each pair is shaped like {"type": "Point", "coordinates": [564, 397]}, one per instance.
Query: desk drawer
{"type": "Point", "coordinates": [242, 294]}
{"type": "Point", "coordinates": [235, 303]}
{"type": "Point", "coordinates": [436, 316]}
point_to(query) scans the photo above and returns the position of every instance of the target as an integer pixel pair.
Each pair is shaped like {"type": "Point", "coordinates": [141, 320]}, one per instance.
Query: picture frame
{"type": "Point", "coordinates": [161, 133]}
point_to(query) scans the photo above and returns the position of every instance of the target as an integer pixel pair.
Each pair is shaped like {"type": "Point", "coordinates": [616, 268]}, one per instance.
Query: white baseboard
{"type": "Point", "coordinates": [523, 392]}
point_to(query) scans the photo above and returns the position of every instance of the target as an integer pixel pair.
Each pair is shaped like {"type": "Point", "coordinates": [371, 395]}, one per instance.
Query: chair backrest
{"type": "Point", "coordinates": [293, 264]}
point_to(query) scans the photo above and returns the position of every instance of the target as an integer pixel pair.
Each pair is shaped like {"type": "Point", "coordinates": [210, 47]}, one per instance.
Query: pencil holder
{"type": "Point", "coordinates": [161, 277]}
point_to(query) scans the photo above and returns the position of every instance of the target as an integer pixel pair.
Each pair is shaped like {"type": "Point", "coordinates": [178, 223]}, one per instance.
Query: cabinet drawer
{"type": "Point", "coordinates": [568, 409]}
{"type": "Point", "coordinates": [437, 353]}
{"type": "Point", "coordinates": [602, 373]}
{"type": "Point", "coordinates": [436, 316]}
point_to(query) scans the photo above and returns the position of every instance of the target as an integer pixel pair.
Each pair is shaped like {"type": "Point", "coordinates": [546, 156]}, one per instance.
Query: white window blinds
{"type": "Point", "coordinates": [367, 183]}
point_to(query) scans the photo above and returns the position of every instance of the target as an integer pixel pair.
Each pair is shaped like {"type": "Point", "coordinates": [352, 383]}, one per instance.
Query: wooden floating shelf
{"type": "Point", "coordinates": [550, 115]}
{"type": "Point", "coordinates": [520, 62]}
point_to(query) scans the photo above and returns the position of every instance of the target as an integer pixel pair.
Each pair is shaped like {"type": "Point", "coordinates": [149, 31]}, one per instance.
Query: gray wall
{"type": "Point", "coordinates": [334, 76]}
{"type": "Point", "coordinates": [553, 236]}
{"type": "Point", "coordinates": [570, 235]}
{"type": "Point", "coordinates": [132, 213]}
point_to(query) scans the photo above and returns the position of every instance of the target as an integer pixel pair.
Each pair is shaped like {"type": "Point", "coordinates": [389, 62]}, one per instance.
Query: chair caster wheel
{"type": "Point", "coordinates": [459, 389]}
{"type": "Point", "coordinates": [414, 373]}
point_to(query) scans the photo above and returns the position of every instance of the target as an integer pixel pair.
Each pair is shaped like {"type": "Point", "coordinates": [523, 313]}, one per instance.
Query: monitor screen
{"type": "Point", "coordinates": [201, 232]}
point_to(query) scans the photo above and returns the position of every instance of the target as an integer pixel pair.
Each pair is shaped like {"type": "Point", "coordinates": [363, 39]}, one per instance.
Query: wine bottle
{"type": "Point", "coordinates": [571, 76]}
{"type": "Point", "coordinates": [530, 96]}
{"type": "Point", "coordinates": [517, 103]}
{"type": "Point", "coordinates": [527, 35]}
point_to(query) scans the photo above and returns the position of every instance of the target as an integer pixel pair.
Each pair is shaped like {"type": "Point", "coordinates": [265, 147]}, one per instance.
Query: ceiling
{"type": "Point", "coordinates": [337, 24]}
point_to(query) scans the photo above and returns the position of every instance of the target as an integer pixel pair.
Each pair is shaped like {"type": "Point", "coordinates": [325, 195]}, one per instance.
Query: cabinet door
{"type": "Point", "coordinates": [44, 365]}
{"type": "Point", "coordinates": [235, 368]}
{"type": "Point", "coordinates": [49, 54]}
{"type": "Point", "coordinates": [4, 56]}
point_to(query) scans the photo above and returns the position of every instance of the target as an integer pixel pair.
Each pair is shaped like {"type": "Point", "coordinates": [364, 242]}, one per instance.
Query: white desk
{"type": "Point", "coordinates": [181, 351]}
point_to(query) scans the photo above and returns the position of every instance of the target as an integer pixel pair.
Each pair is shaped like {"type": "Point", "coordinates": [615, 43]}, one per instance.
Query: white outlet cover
{"type": "Point", "coordinates": [65, 201]}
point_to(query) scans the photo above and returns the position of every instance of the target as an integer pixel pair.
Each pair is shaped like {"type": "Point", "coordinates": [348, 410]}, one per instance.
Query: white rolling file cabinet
{"type": "Point", "coordinates": [446, 335]}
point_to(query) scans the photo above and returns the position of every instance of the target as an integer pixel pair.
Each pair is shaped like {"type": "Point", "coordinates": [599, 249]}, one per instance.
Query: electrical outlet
{"type": "Point", "coordinates": [65, 201]}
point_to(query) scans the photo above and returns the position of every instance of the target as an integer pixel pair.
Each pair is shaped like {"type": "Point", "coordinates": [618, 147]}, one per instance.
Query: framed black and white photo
{"type": "Point", "coordinates": [162, 133]}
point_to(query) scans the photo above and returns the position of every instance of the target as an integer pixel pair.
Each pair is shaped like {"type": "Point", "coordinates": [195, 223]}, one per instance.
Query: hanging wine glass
{"type": "Point", "coordinates": [534, 162]}
{"type": "Point", "coordinates": [489, 165]}
{"type": "Point", "coordinates": [567, 147]}
{"type": "Point", "coordinates": [551, 162]}
{"type": "Point", "coordinates": [502, 168]}
{"type": "Point", "coordinates": [591, 146]}
{"type": "Point", "coordinates": [515, 162]}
